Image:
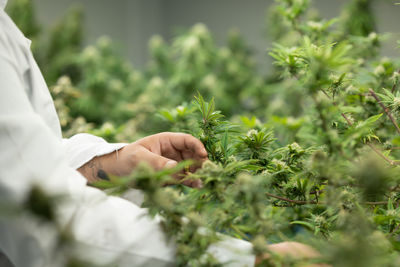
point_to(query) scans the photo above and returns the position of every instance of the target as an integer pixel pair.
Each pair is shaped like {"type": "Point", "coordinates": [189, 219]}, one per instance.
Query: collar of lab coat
{"type": "Point", "coordinates": [3, 4]}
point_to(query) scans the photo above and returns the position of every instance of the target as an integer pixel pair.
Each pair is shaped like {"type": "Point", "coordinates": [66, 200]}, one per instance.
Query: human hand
{"type": "Point", "coordinates": [166, 150]}
{"type": "Point", "coordinates": [294, 250]}
{"type": "Point", "coordinates": [163, 150]}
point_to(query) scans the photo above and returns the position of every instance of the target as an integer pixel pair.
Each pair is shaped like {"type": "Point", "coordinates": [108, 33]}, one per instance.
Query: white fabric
{"type": "Point", "coordinates": [3, 4]}
{"type": "Point", "coordinates": [33, 153]}
{"type": "Point", "coordinates": [81, 148]}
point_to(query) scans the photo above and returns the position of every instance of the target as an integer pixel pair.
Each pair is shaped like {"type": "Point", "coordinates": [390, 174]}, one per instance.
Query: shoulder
{"type": "Point", "coordinates": [8, 28]}
{"type": "Point", "coordinates": [14, 46]}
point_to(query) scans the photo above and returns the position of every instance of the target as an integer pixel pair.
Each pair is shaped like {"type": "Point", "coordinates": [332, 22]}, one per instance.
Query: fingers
{"type": "Point", "coordinates": [174, 145]}
{"type": "Point", "coordinates": [186, 144]}
{"type": "Point", "coordinates": [194, 183]}
{"type": "Point", "coordinates": [156, 161]}
{"type": "Point", "coordinates": [177, 147]}
{"type": "Point", "coordinates": [189, 147]}
{"type": "Point", "coordinates": [294, 249]}
{"type": "Point", "coordinates": [159, 162]}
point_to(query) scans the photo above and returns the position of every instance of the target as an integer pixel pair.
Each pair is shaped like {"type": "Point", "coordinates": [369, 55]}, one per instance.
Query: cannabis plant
{"type": "Point", "coordinates": [309, 152]}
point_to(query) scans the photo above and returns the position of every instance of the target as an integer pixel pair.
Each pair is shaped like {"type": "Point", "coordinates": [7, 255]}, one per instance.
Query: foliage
{"type": "Point", "coordinates": [22, 12]}
{"type": "Point", "coordinates": [313, 158]}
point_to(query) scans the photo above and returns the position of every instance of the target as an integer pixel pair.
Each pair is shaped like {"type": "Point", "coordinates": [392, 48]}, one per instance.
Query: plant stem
{"type": "Point", "coordinates": [239, 232]}
{"type": "Point", "coordinates": [317, 192]}
{"type": "Point", "coordinates": [395, 84]}
{"type": "Point", "coordinates": [385, 109]}
{"type": "Point", "coordinates": [298, 202]}
{"type": "Point", "coordinates": [324, 126]}
{"type": "Point", "coordinates": [335, 104]}
{"type": "Point", "coordinates": [377, 151]}
{"type": "Point", "coordinates": [394, 230]}
{"type": "Point", "coordinates": [302, 202]}
{"type": "Point", "coordinates": [347, 119]}
{"type": "Point", "coordinates": [375, 203]}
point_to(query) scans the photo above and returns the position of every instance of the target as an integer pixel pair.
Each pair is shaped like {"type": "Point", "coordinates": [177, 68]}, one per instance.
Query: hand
{"type": "Point", "coordinates": [294, 250]}
{"type": "Point", "coordinates": [163, 150]}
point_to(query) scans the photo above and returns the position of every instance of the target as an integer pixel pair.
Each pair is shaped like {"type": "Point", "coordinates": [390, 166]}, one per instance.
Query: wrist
{"type": "Point", "coordinates": [98, 168]}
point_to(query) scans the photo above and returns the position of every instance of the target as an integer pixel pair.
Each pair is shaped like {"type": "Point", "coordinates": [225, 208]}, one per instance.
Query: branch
{"type": "Point", "coordinates": [375, 203]}
{"type": "Point", "coordinates": [386, 110]}
{"type": "Point", "coordinates": [317, 192]}
{"type": "Point", "coordinates": [393, 232]}
{"type": "Point", "coordinates": [377, 151]}
{"type": "Point", "coordinates": [298, 202]}
{"type": "Point", "coordinates": [302, 202]}
{"type": "Point", "coordinates": [239, 232]}
{"type": "Point", "coordinates": [335, 104]}
{"type": "Point", "coordinates": [347, 119]}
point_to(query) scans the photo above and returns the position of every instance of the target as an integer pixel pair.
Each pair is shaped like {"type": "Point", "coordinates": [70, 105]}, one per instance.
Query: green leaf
{"type": "Point", "coordinates": [373, 119]}
{"type": "Point", "coordinates": [307, 224]}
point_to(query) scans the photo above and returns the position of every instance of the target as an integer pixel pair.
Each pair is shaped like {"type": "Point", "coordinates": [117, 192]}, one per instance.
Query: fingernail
{"type": "Point", "coordinates": [170, 164]}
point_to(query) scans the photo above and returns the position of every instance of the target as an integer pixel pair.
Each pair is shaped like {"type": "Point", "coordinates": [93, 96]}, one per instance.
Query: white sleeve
{"type": "Point", "coordinates": [232, 252]}
{"type": "Point", "coordinates": [109, 228]}
{"type": "Point", "coordinates": [32, 155]}
{"type": "Point", "coordinates": [83, 147]}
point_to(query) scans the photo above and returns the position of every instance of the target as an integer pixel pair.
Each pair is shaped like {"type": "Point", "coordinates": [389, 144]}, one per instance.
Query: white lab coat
{"type": "Point", "coordinates": [33, 153]}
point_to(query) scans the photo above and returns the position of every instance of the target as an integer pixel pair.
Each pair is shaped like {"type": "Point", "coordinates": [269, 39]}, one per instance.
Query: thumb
{"type": "Point", "coordinates": [156, 161]}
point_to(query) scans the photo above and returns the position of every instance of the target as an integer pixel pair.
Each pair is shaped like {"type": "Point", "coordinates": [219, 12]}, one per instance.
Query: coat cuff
{"type": "Point", "coordinates": [232, 252]}
{"type": "Point", "coordinates": [81, 148]}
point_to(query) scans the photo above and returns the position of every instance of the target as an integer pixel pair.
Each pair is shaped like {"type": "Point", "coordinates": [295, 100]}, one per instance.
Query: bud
{"type": "Point", "coordinates": [395, 77]}
{"type": "Point", "coordinates": [244, 179]}
{"type": "Point", "coordinates": [315, 25]}
{"type": "Point", "coordinates": [259, 244]}
{"type": "Point", "coordinates": [156, 42]}
{"type": "Point", "coordinates": [90, 53]}
{"type": "Point", "coordinates": [251, 133]}
{"type": "Point", "coordinates": [209, 165]}
{"type": "Point", "coordinates": [104, 42]}
{"type": "Point", "coordinates": [295, 147]}
{"type": "Point", "coordinates": [379, 70]}
{"type": "Point", "coordinates": [200, 30]}
{"type": "Point", "coordinates": [373, 37]}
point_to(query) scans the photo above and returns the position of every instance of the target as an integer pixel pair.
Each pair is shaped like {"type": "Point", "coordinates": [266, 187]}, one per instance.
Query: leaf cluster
{"type": "Point", "coordinates": [308, 153]}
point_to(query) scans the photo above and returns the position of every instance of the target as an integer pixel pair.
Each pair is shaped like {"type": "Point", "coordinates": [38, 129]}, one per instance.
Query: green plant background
{"type": "Point", "coordinates": [307, 152]}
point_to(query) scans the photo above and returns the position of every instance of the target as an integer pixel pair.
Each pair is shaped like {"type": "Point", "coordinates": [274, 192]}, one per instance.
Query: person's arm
{"type": "Point", "coordinates": [86, 153]}
{"type": "Point", "coordinates": [163, 150]}
{"type": "Point", "coordinates": [109, 229]}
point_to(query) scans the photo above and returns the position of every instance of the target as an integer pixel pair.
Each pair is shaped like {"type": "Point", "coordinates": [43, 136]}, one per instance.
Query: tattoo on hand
{"type": "Point", "coordinates": [103, 175]}
{"type": "Point", "coordinates": [93, 170]}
